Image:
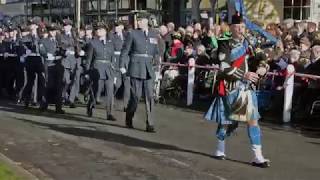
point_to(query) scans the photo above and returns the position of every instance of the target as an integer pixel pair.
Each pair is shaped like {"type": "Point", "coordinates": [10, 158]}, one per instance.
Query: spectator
{"type": "Point", "coordinates": [189, 29]}
{"type": "Point", "coordinates": [312, 27]}
{"type": "Point", "coordinates": [162, 44]}
{"type": "Point", "coordinates": [176, 49]}
{"type": "Point", "coordinates": [197, 38]}
{"type": "Point", "coordinates": [188, 54]}
{"type": "Point", "coordinates": [168, 36]}
{"type": "Point", "coordinates": [304, 59]}
{"type": "Point", "coordinates": [203, 58]}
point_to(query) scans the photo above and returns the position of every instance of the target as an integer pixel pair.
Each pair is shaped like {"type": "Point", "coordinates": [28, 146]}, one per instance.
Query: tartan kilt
{"type": "Point", "coordinates": [226, 109]}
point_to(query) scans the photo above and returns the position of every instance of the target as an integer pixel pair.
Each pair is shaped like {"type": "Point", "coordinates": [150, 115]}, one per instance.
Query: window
{"type": "Point", "coordinates": [297, 9]}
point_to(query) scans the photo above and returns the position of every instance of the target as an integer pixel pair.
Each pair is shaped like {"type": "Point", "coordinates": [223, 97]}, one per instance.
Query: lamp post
{"type": "Point", "coordinates": [135, 13]}
{"type": "Point", "coordinates": [78, 13]}
{"type": "Point", "coordinates": [117, 7]}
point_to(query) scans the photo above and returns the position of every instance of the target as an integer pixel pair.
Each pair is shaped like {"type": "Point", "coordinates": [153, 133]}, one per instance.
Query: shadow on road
{"type": "Point", "coordinates": [117, 138]}
{"type": "Point", "coordinates": [315, 143]}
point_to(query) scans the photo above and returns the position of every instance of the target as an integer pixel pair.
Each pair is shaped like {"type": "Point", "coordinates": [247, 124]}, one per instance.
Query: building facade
{"type": "Point", "coordinates": [178, 11]}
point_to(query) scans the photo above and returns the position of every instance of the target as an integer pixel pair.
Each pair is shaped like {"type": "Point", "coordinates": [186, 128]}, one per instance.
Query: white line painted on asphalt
{"type": "Point", "coordinates": [146, 150]}
{"type": "Point", "coordinates": [216, 176]}
{"type": "Point", "coordinates": [179, 162]}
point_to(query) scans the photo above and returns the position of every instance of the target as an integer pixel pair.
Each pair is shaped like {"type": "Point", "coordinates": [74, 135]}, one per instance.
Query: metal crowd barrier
{"type": "Point", "coordinates": [288, 83]}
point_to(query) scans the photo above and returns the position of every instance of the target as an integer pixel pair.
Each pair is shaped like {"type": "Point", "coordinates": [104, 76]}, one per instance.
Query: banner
{"type": "Point", "coordinates": [238, 5]}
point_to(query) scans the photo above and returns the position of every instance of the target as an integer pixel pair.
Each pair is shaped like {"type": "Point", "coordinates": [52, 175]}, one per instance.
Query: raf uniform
{"type": "Point", "coordinates": [118, 40]}
{"type": "Point", "coordinates": [83, 44]}
{"type": "Point", "coordinates": [10, 62]}
{"type": "Point", "coordinates": [70, 63]}
{"type": "Point", "coordinates": [20, 68]}
{"type": "Point", "coordinates": [100, 54]}
{"type": "Point", "coordinates": [52, 55]}
{"type": "Point", "coordinates": [34, 67]}
{"type": "Point", "coordinates": [2, 64]}
{"type": "Point", "coordinates": [140, 48]}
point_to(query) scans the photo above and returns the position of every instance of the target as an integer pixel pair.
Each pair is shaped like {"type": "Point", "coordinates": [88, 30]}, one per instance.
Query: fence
{"type": "Point", "coordinates": [288, 83]}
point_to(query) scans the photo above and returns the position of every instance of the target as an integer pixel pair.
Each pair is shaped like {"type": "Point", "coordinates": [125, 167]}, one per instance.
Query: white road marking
{"type": "Point", "coordinates": [179, 162]}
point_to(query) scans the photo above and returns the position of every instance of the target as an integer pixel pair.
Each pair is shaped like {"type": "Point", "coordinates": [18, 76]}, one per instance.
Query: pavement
{"type": "Point", "coordinates": [75, 147]}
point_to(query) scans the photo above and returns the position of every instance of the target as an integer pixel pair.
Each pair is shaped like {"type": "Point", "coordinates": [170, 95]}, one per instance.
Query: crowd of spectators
{"type": "Point", "coordinates": [298, 44]}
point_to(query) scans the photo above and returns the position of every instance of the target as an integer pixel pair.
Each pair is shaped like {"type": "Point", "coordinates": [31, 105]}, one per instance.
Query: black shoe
{"type": "Point", "coordinates": [219, 157]}
{"type": "Point", "coordinates": [265, 164]}
{"type": "Point", "coordinates": [89, 110]}
{"type": "Point", "coordinates": [111, 118]}
{"type": "Point", "coordinates": [43, 109]}
{"type": "Point", "coordinates": [18, 102]}
{"type": "Point", "coordinates": [60, 111]}
{"type": "Point", "coordinates": [34, 104]}
{"type": "Point", "coordinates": [129, 123]}
{"type": "Point", "coordinates": [150, 129]}
{"type": "Point", "coordinates": [72, 105]}
{"type": "Point", "coordinates": [129, 126]}
{"type": "Point", "coordinates": [98, 103]}
{"type": "Point", "coordinates": [26, 105]}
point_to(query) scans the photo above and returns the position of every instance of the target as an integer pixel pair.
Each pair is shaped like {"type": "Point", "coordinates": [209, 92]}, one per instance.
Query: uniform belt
{"type": "Point", "coordinates": [55, 58]}
{"type": "Point", "coordinates": [11, 55]}
{"type": "Point", "coordinates": [143, 55]}
{"type": "Point", "coordinates": [70, 52]}
{"type": "Point", "coordinates": [117, 52]}
{"type": "Point", "coordinates": [34, 54]}
{"type": "Point", "coordinates": [103, 61]}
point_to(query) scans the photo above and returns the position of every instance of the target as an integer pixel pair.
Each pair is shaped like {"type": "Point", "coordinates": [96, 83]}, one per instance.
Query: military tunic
{"type": "Point", "coordinates": [100, 54]}
{"type": "Point", "coordinates": [118, 40]}
{"type": "Point", "coordinates": [140, 50]}
{"type": "Point", "coordinates": [72, 66]}
{"type": "Point", "coordinates": [54, 71]}
{"type": "Point", "coordinates": [35, 68]}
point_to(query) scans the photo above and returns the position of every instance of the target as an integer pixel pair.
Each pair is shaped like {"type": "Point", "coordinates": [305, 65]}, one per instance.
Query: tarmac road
{"type": "Point", "coordinates": [75, 147]}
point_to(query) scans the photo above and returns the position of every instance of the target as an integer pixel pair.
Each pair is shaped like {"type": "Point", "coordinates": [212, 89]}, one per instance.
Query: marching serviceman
{"type": "Point", "coordinates": [34, 67]}
{"type": "Point", "coordinates": [11, 59]}
{"type": "Point", "coordinates": [52, 55]}
{"type": "Point", "coordinates": [120, 79]}
{"type": "Point", "coordinates": [2, 64]}
{"type": "Point", "coordinates": [100, 56]}
{"type": "Point", "coordinates": [141, 49]}
{"type": "Point", "coordinates": [67, 41]}
{"type": "Point", "coordinates": [20, 68]}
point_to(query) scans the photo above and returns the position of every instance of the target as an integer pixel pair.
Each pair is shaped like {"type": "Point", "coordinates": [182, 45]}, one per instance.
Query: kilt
{"type": "Point", "coordinates": [226, 109]}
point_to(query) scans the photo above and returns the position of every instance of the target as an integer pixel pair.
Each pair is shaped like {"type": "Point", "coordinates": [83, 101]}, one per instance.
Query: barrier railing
{"type": "Point", "coordinates": [288, 83]}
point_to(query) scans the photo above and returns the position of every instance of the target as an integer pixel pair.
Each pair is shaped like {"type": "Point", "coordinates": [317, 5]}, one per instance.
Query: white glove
{"type": "Point", "coordinates": [22, 59]}
{"type": "Point", "coordinates": [115, 81]}
{"type": "Point", "coordinates": [123, 70]}
{"type": "Point", "coordinates": [6, 55]}
{"type": "Point", "coordinates": [50, 57]}
{"type": "Point", "coordinates": [28, 51]}
{"type": "Point", "coordinates": [68, 52]}
{"type": "Point", "coordinates": [82, 53]}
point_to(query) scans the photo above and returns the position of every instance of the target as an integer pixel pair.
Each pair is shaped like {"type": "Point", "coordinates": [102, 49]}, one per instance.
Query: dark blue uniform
{"type": "Point", "coordinates": [10, 63]}
{"type": "Point", "coordinates": [54, 72]}
{"type": "Point", "coordinates": [141, 49]}
{"type": "Point", "coordinates": [100, 56]}
{"type": "Point", "coordinates": [34, 68]}
{"type": "Point", "coordinates": [121, 80]}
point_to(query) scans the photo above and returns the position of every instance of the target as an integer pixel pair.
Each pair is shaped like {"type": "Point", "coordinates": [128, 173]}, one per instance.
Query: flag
{"type": "Point", "coordinates": [238, 5]}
